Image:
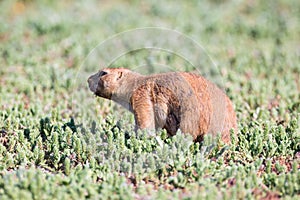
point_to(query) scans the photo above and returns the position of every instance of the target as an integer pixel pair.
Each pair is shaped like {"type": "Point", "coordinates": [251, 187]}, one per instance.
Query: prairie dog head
{"type": "Point", "coordinates": [107, 81]}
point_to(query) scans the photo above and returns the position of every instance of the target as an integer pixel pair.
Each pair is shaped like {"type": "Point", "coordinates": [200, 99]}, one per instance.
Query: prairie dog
{"type": "Point", "coordinates": [173, 100]}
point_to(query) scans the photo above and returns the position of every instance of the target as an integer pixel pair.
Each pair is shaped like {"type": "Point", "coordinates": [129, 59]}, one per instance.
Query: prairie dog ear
{"type": "Point", "coordinates": [120, 75]}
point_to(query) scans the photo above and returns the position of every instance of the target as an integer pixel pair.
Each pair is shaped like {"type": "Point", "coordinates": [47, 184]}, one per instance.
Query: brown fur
{"type": "Point", "coordinates": [174, 100]}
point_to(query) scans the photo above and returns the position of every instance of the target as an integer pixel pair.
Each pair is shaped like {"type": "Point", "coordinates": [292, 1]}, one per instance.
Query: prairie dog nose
{"type": "Point", "coordinates": [92, 84]}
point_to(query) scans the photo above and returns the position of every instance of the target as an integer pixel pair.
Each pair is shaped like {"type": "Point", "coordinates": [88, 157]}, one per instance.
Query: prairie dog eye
{"type": "Point", "coordinates": [102, 73]}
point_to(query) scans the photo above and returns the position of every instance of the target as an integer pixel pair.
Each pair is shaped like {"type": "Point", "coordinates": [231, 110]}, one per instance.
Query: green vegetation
{"type": "Point", "coordinates": [52, 149]}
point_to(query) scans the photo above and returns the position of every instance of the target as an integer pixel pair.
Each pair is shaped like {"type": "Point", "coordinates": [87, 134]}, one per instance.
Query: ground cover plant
{"type": "Point", "coordinates": [51, 149]}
